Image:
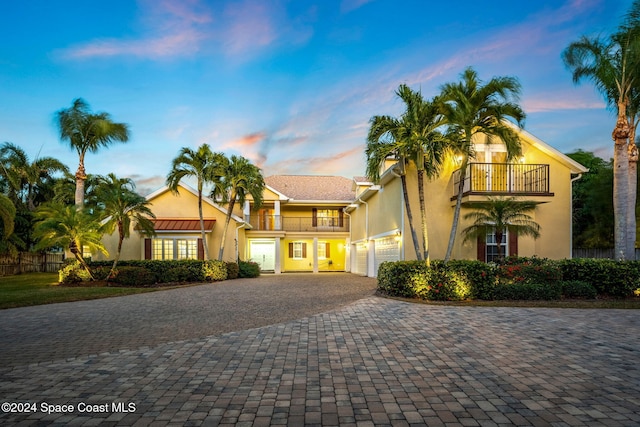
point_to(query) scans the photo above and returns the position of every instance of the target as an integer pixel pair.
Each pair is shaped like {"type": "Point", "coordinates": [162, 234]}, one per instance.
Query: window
{"type": "Point", "coordinates": [328, 218]}
{"type": "Point", "coordinates": [174, 249]}
{"type": "Point", "coordinates": [492, 246]}
{"type": "Point", "coordinates": [297, 250]}
{"type": "Point", "coordinates": [322, 250]}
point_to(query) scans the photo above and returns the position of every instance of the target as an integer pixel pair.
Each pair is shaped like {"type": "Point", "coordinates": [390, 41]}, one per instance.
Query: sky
{"type": "Point", "coordinates": [290, 85]}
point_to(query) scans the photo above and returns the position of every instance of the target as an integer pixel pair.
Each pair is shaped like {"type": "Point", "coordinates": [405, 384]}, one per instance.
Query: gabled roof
{"type": "Point", "coordinates": [207, 200]}
{"type": "Point", "coordinates": [312, 187]}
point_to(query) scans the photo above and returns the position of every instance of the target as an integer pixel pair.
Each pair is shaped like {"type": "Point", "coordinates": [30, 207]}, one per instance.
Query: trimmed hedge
{"type": "Point", "coordinates": [514, 278]}
{"type": "Point", "coordinates": [134, 277]}
{"type": "Point", "coordinates": [248, 269]}
{"type": "Point", "coordinates": [233, 270]}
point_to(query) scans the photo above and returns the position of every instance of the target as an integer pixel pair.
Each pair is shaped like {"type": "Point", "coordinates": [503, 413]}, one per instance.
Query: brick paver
{"type": "Point", "coordinates": [372, 362]}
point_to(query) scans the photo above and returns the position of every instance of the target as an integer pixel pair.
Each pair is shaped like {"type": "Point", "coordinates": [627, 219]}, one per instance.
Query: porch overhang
{"type": "Point", "coordinates": [174, 225]}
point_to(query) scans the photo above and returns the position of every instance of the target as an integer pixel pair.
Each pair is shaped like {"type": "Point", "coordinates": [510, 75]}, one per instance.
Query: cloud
{"type": "Point", "coordinates": [331, 165]}
{"type": "Point", "coordinates": [553, 103]}
{"type": "Point", "coordinates": [173, 29]}
{"type": "Point", "coordinates": [347, 6]}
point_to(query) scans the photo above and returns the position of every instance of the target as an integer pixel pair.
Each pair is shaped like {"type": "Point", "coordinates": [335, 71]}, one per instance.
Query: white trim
{"type": "Point", "coordinates": [393, 232]}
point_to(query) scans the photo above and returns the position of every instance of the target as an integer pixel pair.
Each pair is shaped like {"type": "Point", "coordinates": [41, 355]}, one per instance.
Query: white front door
{"type": "Point", "coordinates": [264, 253]}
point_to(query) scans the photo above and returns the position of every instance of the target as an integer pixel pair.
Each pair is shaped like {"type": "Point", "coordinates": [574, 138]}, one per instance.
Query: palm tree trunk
{"type": "Point", "coordinates": [633, 192]}
{"type": "Point", "coordinates": [73, 247]}
{"type": "Point", "coordinates": [407, 205]}
{"type": "Point", "coordinates": [499, 236]}
{"type": "Point", "coordinates": [227, 220]}
{"type": "Point", "coordinates": [118, 251]}
{"type": "Point", "coordinates": [620, 137]}
{"type": "Point", "coordinates": [202, 233]}
{"type": "Point", "coordinates": [456, 212]}
{"type": "Point", "coordinates": [423, 216]}
{"type": "Point", "coordinates": [81, 176]}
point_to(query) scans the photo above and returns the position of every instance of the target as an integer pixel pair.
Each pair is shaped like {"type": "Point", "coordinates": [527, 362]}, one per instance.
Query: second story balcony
{"type": "Point", "coordinates": [294, 223]}
{"type": "Point", "coordinates": [511, 179]}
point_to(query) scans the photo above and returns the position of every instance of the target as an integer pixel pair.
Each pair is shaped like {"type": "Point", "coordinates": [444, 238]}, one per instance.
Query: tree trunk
{"type": "Point", "coordinates": [620, 137]}
{"type": "Point", "coordinates": [499, 236]}
{"type": "Point", "coordinates": [456, 212]}
{"type": "Point", "coordinates": [407, 205]}
{"type": "Point", "coordinates": [80, 178]}
{"type": "Point", "coordinates": [227, 220]}
{"type": "Point", "coordinates": [118, 251]}
{"type": "Point", "coordinates": [633, 192]}
{"type": "Point", "coordinates": [202, 233]}
{"type": "Point", "coordinates": [423, 216]}
{"type": "Point", "coordinates": [73, 247]}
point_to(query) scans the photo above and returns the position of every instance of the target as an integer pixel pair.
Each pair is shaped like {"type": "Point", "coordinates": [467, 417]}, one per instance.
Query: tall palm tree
{"type": "Point", "coordinates": [611, 64]}
{"type": "Point", "coordinates": [25, 176]}
{"type": "Point", "coordinates": [7, 216]}
{"type": "Point", "coordinates": [471, 108]}
{"type": "Point", "coordinates": [69, 227]}
{"type": "Point", "coordinates": [413, 138]}
{"type": "Point", "coordinates": [498, 215]}
{"type": "Point", "coordinates": [87, 132]}
{"type": "Point", "coordinates": [240, 178]}
{"type": "Point", "coordinates": [203, 165]}
{"type": "Point", "coordinates": [122, 207]}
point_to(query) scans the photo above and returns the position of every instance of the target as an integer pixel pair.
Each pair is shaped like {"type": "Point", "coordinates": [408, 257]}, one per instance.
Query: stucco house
{"type": "Point", "coordinates": [379, 225]}
{"type": "Point", "coordinates": [331, 223]}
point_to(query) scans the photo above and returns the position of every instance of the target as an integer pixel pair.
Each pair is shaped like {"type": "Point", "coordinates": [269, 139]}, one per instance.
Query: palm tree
{"type": "Point", "coordinates": [25, 176]}
{"type": "Point", "coordinates": [499, 214]}
{"type": "Point", "coordinates": [7, 216]}
{"type": "Point", "coordinates": [87, 132]}
{"type": "Point", "coordinates": [69, 227]}
{"type": "Point", "coordinates": [413, 138]}
{"type": "Point", "coordinates": [205, 166]}
{"type": "Point", "coordinates": [611, 64]}
{"type": "Point", "coordinates": [240, 179]}
{"type": "Point", "coordinates": [122, 207]}
{"type": "Point", "coordinates": [472, 108]}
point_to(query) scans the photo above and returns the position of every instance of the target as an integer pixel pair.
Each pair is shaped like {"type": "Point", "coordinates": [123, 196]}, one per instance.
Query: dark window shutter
{"type": "Point", "coordinates": [290, 249]}
{"type": "Point", "coordinates": [327, 250]}
{"type": "Point", "coordinates": [304, 250]}
{"type": "Point", "coordinates": [200, 249]}
{"type": "Point", "coordinates": [513, 244]}
{"type": "Point", "coordinates": [340, 218]}
{"type": "Point", "coordinates": [314, 220]}
{"type": "Point", "coordinates": [147, 248]}
{"type": "Point", "coordinates": [482, 249]}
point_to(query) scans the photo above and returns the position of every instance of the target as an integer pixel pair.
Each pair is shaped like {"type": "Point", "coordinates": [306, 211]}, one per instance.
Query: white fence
{"type": "Point", "coordinates": [598, 253]}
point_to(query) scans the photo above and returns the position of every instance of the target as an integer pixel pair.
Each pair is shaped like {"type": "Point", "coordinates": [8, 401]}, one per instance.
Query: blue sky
{"type": "Point", "coordinates": [290, 85]}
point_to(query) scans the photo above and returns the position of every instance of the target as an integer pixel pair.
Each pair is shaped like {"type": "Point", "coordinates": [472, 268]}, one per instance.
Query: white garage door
{"type": "Point", "coordinates": [360, 266]}
{"type": "Point", "coordinates": [386, 249]}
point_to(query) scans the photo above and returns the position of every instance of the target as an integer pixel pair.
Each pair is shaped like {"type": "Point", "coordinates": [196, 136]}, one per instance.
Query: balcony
{"type": "Point", "coordinates": [503, 179]}
{"type": "Point", "coordinates": [292, 223]}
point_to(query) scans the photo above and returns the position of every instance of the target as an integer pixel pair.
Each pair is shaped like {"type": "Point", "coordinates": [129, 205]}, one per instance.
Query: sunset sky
{"type": "Point", "coordinates": [290, 85]}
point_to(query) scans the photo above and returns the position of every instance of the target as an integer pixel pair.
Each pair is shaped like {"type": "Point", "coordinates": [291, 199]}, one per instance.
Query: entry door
{"type": "Point", "coordinates": [264, 253]}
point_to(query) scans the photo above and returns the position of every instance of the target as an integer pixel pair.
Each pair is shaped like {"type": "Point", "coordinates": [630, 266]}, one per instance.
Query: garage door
{"type": "Point", "coordinates": [360, 266]}
{"type": "Point", "coordinates": [386, 249]}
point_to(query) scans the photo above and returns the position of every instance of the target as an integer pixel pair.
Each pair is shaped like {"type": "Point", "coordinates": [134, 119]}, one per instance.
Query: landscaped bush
{"type": "Point", "coordinates": [608, 277]}
{"type": "Point", "coordinates": [481, 277]}
{"type": "Point", "coordinates": [528, 291]}
{"type": "Point", "coordinates": [544, 271]}
{"type": "Point", "coordinates": [248, 269]}
{"type": "Point", "coordinates": [578, 289]}
{"type": "Point", "coordinates": [177, 274]}
{"type": "Point", "coordinates": [72, 272]}
{"type": "Point", "coordinates": [214, 271]}
{"type": "Point", "coordinates": [233, 270]}
{"type": "Point", "coordinates": [134, 277]}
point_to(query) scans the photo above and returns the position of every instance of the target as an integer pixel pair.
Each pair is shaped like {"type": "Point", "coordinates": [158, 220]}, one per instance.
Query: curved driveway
{"type": "Point", "coordinates": [335, 356]}
{"type": "Point", "coordinates": [59, 331]}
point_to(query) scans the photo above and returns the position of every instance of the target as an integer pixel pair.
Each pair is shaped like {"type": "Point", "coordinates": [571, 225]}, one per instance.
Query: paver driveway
{"type": "Point", "coordinates": [372, 361]}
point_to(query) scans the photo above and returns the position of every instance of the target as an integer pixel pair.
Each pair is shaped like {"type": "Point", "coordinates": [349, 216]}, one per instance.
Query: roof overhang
{"type": "Point", "coordinates": [180, 225]}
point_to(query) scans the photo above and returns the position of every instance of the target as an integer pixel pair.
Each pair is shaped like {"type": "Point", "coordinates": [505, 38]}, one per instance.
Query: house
{"type": "Point", "coordinates": [330, 223]}
{"type": "Point", "coordinates": [379, 224]}
{"type": "Point", "coordinates": [177, 227]}
{"type": "Point", "coordinates": [301, 225]}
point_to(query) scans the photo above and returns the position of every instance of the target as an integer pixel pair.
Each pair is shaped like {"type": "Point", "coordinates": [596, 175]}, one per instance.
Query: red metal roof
{"type": "Point", "coordinates": [168, 224]}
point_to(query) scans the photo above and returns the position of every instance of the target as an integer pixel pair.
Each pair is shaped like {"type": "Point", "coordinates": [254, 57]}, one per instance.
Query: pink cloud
{"type": "Point", "coordinates": [538, 105]}
{"type": "Point", "coordinates": [250, 25]}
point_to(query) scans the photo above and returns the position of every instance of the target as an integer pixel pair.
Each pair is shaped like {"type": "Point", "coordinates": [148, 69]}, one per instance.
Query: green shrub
{"type": "Point", "coordinates": [100, 272]}
{"type": "Point", "coordinates": [446, 284]}
{"type": "Point", "coordinates": [214, 270]}
{"type": "Point", "coordinates": [233, 270]}
{"type": "Point", "coordinates": [608, 277]}
{"type": "Point", "coordinates": [407, 279]}
{"type": "Point", "coordinates": [177, 274]}
{"type": "Point", "coordinates": [546, 272]}
{"type": "Point", "coordinates": [527, 291]}
{"type": "Point", "coordinates": [134, 277]}
{"type": "Point", "coordinates": [578, 289]}
{"type": "Point", "coordinates": [73, 272]}
{"type": "Point", "coordinates": [481, 277]}
{"type": "Point", "coordinates": [248, 269]}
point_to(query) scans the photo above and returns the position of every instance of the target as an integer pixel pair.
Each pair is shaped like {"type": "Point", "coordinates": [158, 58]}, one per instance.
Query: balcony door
{"type": "Point", "coordinates": [491, 172]}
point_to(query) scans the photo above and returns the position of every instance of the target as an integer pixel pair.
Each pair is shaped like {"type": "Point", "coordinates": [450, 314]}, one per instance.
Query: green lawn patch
{"type": "Point", "coordinates": [42, 288]}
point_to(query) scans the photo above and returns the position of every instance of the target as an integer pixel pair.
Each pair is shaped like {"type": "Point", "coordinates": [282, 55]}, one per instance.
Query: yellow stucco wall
{"type": "Point", "coordinates": [335, 261]}
{"type": "Point", "coordinates": [183, 205]}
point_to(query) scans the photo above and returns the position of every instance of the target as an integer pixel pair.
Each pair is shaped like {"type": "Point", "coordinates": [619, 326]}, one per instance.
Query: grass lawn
{"type": "Point", "coordinates": [42, 288]}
